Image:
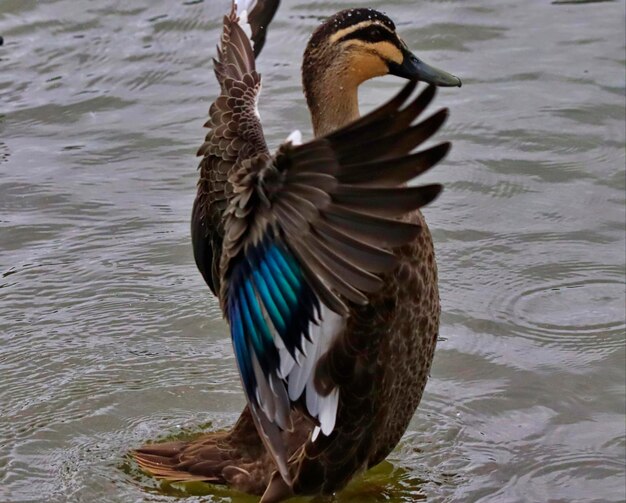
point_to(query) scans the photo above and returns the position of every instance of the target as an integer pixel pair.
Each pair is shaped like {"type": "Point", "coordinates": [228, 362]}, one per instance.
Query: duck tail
{"type": "Point", "coordinates": [236, 458]}
{"type": "Point", "coordinates": [167, 461]}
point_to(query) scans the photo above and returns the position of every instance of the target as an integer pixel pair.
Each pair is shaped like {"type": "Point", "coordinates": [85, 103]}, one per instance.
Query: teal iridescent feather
{"type": "Point", "coordinates": [268, 297]}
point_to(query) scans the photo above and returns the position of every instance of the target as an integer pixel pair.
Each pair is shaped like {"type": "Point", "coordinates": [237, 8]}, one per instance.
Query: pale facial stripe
{"type": "Point", "coordinates": [385, 50]}
{"type": "Point", "coordinates": [351, 29]}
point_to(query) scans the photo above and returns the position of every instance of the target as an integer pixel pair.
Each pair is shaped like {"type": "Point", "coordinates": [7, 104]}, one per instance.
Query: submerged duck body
{"type": "Point", "coordinates": [323, 264]}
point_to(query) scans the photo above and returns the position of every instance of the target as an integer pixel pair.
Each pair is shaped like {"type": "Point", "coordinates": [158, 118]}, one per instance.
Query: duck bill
{"type": "Point", "coordinates": [413, 68]}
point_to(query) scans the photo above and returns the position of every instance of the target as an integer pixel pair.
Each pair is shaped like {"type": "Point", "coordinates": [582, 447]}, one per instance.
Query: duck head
{"type": "Point", "coordinates": [349, 48]}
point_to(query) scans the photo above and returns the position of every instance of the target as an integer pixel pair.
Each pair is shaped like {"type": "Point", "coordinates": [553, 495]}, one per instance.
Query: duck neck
{"type": "Point", "coordinates": [332, 97]}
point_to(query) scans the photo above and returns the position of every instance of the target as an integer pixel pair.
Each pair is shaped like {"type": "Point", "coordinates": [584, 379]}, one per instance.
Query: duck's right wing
{"type": "Point", "coordinates": [308, 232]}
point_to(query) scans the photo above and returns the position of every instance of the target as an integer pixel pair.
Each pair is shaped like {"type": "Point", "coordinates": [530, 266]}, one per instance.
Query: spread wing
{"type": "Point", "coordinates": [308, 232]}
{"type": "Point", "coordinates": [235, 131]}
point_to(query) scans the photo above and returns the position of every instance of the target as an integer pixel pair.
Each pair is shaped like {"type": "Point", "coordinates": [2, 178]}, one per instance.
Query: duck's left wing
{"type": "Point", "coordinates": [235, 133]}
{"type": "Point", "coordinates": [307, 233]}
{"type": "Point", "coordinates": [258, 14]}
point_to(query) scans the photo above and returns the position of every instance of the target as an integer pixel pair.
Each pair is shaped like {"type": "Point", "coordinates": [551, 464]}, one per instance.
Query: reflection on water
{"type": "Point", "coordinates": [109, 337]}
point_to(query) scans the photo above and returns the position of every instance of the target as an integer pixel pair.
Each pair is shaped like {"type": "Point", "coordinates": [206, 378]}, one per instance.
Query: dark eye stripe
{"type": "Point", "coordinates": [372, 34]}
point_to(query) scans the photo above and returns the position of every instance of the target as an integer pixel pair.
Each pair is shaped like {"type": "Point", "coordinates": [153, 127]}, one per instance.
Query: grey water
{"type": "Point", "coordinates": [109, 337]}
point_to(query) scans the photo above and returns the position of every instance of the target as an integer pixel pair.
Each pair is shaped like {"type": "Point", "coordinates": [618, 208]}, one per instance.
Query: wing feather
{"type": "Point", "coordinates": [397, 171]}
{"type": "Point", "coordinates": [369, 257]}
{"type": "Point", "coordinates": [385, 201]}
{"type": "Point", "coordinates": [327, 274]}
{"type": "Point", "coordinates": [343, 268]}
{"type": "Point", "coordinates": [369, 228]}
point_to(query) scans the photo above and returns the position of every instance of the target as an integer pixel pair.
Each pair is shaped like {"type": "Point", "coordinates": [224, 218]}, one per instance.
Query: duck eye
{"type": "Point", "coordinates": [376, 32]}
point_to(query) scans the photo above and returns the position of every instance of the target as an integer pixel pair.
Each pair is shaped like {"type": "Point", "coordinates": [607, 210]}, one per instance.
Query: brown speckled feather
{"type": "Point", "coordinates": [235, 134]}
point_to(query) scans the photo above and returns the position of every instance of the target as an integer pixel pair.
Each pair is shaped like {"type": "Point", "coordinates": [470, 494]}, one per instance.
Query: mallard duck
{"type": "Point", "coordinates": [322, 262]}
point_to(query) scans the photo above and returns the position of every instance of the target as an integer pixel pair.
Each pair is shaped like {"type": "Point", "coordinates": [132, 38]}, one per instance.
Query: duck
{"type": "Point", "coordinates": [321, 259]}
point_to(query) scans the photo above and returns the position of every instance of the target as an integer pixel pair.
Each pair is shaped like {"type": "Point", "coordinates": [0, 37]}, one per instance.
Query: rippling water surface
{"type": "Point", "coordinates": [108, 336]}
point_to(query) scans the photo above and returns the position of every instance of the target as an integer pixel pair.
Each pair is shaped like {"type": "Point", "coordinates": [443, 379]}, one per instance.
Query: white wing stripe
{"type": "Point", "coordinates": [286, 360]}
{"type": "Point", "coordinates": [301, 378]}
{"type": "Point", "coordinates": [300, 373]}
{"type": "Point", "coordinates": [328, 412]}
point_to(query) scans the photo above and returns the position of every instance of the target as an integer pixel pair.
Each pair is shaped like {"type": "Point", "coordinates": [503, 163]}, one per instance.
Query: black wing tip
{"type": "Point", "coordinates": [440, 151]}
{"type": "Point", "coordinates": [409, 87]}
{"type": "Point", "coordinates": [445, 113]}
{"type": "Point", "coordinates": [430, 193]}
{"type": "Point", "coordinates": [430, 125]}
{"type": "Point", "coordinates": [260, 17]}
{"type": "Point", "coordinates": [424, 97]}
{"type": "Point", "coordinates": [430, 91]}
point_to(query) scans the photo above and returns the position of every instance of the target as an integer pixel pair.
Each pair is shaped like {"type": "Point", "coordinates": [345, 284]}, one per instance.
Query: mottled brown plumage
{"type": "Point", "coordinates": [339, 204]}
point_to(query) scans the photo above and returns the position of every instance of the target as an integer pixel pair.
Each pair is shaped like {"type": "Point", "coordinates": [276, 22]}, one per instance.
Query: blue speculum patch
{"type": "Point", "coordinates": [268, 294]}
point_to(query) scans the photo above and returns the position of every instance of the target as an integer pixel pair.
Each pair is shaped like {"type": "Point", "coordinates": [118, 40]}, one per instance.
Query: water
{"type": "Point", "coordinates": [109, 338]}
